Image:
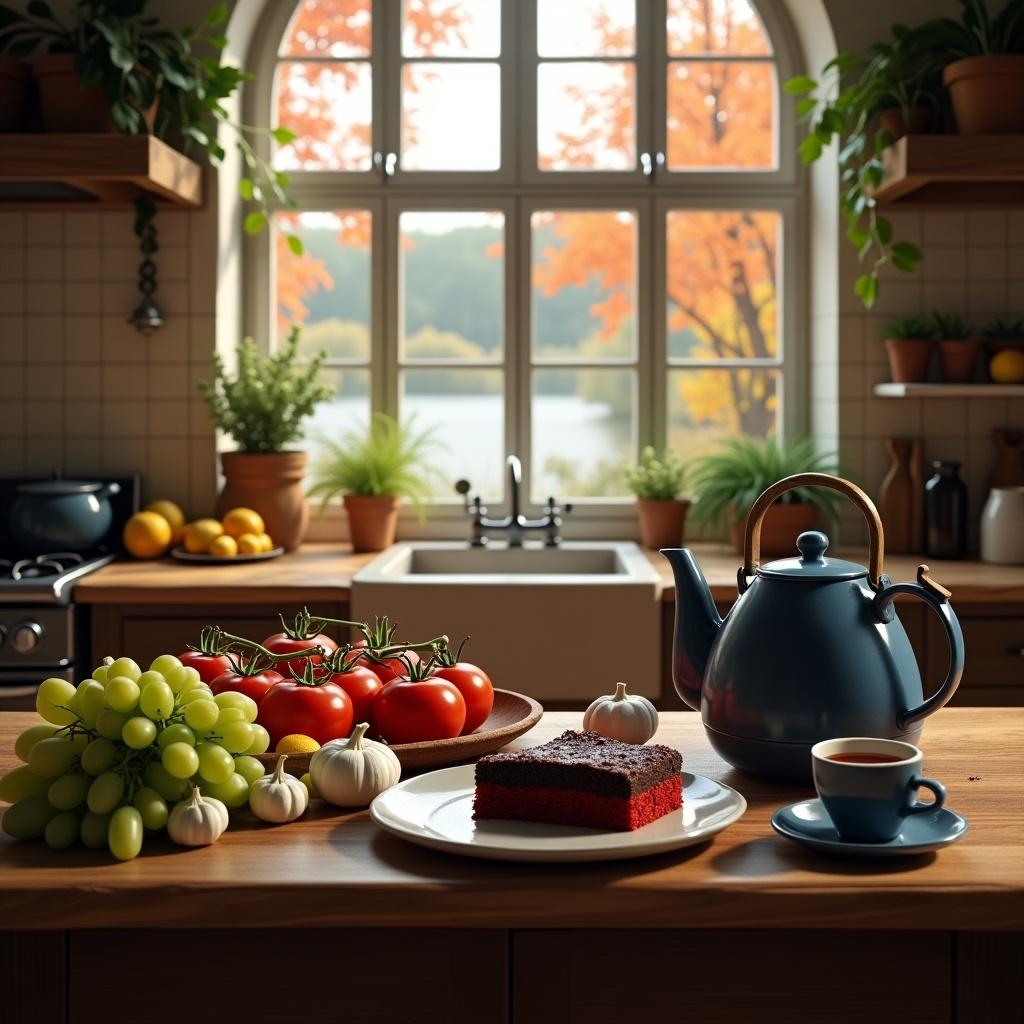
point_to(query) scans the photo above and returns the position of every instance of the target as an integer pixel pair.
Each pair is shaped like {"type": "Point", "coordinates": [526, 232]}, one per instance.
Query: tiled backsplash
{"type": "Point", "coordinates": [82, 388]}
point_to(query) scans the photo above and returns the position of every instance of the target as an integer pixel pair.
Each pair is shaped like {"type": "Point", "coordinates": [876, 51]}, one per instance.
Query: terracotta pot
{"type": "Point", "coordinates": [908, 359]}
{"type": "Point", "coordinates": [987, 94]}
{"type": "Point", "coordinates": [372, 521]}
{"type": "Point", "coordinates": [780, 528]}
{"type": "Point", "coordinates": [893, 121]}
{"type": "Point", "coordinates": [14, 85]}
{"type": "Point", "coordinates": [662, 522]}
{"type": "Point", "coordinates": [65, 106]}
{"type": "Point", "coordinates": [959, 360]}
{"type": "Point", "coordinates": [271, 484]}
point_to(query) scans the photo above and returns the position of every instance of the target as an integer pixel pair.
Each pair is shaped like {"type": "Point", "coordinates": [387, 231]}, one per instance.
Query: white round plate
{"type": "Point", "coordinates": [436, 810]}
{"type": "Point", "coordinates": [200, 559]}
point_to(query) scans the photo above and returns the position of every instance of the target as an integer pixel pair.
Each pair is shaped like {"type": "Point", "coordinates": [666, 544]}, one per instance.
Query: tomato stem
{"type": "Point", "coordinates": [260, 659]}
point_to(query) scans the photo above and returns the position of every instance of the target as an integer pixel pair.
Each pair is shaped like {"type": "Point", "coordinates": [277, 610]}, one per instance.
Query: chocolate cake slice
{"type": "Point", "coordinates": [581, 778]}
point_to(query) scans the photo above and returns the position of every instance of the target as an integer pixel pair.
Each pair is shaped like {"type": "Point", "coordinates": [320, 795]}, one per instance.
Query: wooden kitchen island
{"type": "Point", "coordinates": [332, 920]}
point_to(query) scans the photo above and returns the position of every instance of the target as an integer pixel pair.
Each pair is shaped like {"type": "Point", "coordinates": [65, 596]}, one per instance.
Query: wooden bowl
{"type": "Point", "coordinates": [512, 715]}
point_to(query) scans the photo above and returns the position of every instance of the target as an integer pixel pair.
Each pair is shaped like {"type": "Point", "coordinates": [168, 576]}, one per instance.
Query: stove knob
{"type": "Point", "coordinates": [26, 636]}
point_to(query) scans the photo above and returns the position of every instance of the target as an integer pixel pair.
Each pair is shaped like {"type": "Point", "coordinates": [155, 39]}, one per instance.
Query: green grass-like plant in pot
{"type": "Point", "coordinates": [958, 348]}
{"type": "Point", "coordinates": [263, 406]}
{"type": "Point", "coordinates": [909, 341]}
{"type": "Point", "coordinates": [661, 507]}
{"type": "Point", "coordinates": [728, 481]}
{"type": "Point", "coordinates": [373, 470]}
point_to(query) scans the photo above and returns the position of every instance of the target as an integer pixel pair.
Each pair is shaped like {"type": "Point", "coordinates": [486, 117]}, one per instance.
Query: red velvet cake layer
{"type": "Point", "coordinates": [558, 806]}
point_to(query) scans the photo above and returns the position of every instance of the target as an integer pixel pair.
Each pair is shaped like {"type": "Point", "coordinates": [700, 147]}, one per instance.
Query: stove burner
{"type": "Point", "coordinates": [40, 566]}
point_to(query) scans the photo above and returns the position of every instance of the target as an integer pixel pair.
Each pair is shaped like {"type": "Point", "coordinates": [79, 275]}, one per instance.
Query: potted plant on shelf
{"type": "Point", "coordinates": [263, 407]}
{"type": "Point", "coordinates": [373, 471]}
{"type": "Point", "coordinates": [728, 481]}
{"type": "Point", "coordinates": [1004, 350]}
{"type": "Point", "coordinates": [909, 341]}
{"type": "Point", "coordinates": [660, 506]}
{"type": "Point", "coordinates": [958, 350]}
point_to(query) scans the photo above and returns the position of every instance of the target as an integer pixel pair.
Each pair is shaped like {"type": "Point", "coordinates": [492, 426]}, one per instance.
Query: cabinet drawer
{"type": "Point", "coordinates": [995, 654]}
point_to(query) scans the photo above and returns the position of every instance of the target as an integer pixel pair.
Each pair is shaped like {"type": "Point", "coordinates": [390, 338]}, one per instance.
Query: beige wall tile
{"type": "Point", "coordinates": [987, 227]}
{"type": "Point", "coordinates": [12, 228]}
{"type": "Point", "coordinates": [851, 339]}
{"type": "Point", "coordinates": [123, 419]}
{"type": "Point", "coordinates": [122, 343]}
{"type": "Point", "coordinates": [44, 228]}
{"type": "Point", "coordinates": [44, 418]}
{"type": "Point", "coordinates": [12, 419]}
{"type": "Point", "coordinates": [12, 455]}
{"type": "Point", "coordinates": [851, 418]}
{"type": "Point", "coordinates": [984, 416]}
{"type": "Point", "coordinates": [943, 296]}
{"type": "Point", "coordinates": [44, 339]}
{"type": "Point", "coordinates": [987, 262]}
{"type": "Point", "coordinates": [12, 297]}
{"type": "Point", "coordinates": [82, 297]}
{"type": "Point", "coordinates": [12, 339]}
{"type": "Point", "coordinates": [44, 296]}
{"type": "Point", "coordinates": [851, 382]}
{"type": "Point", "coordinates": [944, 262]}
{"type": "Point", "coordinates": [124, 455]}
{"type": "Point", "coordinates": [82, 339]}
{"type": "Point", "coordinates": [82, 381]}
{"type": "Point", "coordinates": [202, 338]}
{"type": "Point", "coordinates": [200, 423]}
{"type": "Point", "coordinates": [119, 297]}
{"type": "Point", "coordinates": [170, 343]}
{"type": "Point", "coordinates": [83, 263]}
{"type": "Point", "coordinates": [82, 228]}
{"type": "Point", "coordinates": [892, 417]}
{"type": "Point", "coordinates": [168, 380]}
{"type": "Point", "coordinates": [168, 418]}
{"type": "Point", "coordinates": [42, 263]}
{"type": "Point", "coordinates": [944, 417]}
{"type": "Point", "coordinates": [1015, 272]}
{"type": "Point", "coordinates": [944, 227]}
{"type": "Point", "coordinates": [172, 227]}
{"type": "Point", "coordinates": [202, 477]}
{"type": "Point", "coordinates": [167, 474]}
{"type": "Point", "coordinates": [173, 264]}
{"type": "Point", "coordinates": [44, 454]}
{"type": "Point", "coordinates": [44, 381]}
{"type": "Point", "coordinates": [120, 262]}
{"type": "Point", "coordinates": [12, 266]}
{"type": "Point", "coordinates": [121, 382]}
{"type": "Point", "coordinates": [1015, 227]}
{"type": "Point", "coordinates": [902, 296]}
{"type": "Point", "coordinates": [116, 228]}
{"type": "Point", "coordinates": [986, 298]}
{"type": "Point", "coordinates": [82, 454]}
{"type": "Point", "coordinates": [82, 418]}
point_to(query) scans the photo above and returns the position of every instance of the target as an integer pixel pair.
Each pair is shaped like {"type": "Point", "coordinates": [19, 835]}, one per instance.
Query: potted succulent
{"type": "Point", "coordinates": [660, 506]}
{"type": "Point", "coordinates": [263, 407]}
{"type": "Point", "coordinates": [728, 482]}
{"type": "Point", "coordinates": [958, 350]}
{"type": "Point", "coordinates": [373, 471]}
{"type": "Point", "coordinates": [909, 341]}
{"type": "Point", "coordinates": [985, 78]}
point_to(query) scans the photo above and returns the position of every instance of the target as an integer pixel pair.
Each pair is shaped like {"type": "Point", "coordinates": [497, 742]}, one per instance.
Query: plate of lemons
{"type": "Point", "coordinates": [239, 536]}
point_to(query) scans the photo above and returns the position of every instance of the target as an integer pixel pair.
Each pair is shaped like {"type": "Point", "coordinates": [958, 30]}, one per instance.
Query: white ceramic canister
{"type": "Point", "coordinates": [1002, 526]}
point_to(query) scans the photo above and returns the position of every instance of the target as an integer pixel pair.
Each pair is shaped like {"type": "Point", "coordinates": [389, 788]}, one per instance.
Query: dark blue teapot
{"type": "Point", "coordinates": [812, 649]}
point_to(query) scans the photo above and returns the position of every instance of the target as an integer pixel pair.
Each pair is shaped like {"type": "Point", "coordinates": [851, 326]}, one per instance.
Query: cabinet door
{"type": "Point", "coordinates": [994, 669]}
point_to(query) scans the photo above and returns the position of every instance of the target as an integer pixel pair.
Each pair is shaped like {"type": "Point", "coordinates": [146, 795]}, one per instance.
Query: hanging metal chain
{"type": "Point", "coordinates": [147, 316]}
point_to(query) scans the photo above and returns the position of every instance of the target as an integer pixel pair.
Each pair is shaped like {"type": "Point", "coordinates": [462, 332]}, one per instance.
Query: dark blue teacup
{"type": "Point", "coordinates": [869, 786]}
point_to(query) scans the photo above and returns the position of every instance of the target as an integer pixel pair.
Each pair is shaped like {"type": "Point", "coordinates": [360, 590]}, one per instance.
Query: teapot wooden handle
{"type": "Point", "coordinates": [752, 530]}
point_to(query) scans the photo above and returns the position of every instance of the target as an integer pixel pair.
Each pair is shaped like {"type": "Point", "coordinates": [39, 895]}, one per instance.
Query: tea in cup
{"type": "Point", "coordinates": [869, 786]}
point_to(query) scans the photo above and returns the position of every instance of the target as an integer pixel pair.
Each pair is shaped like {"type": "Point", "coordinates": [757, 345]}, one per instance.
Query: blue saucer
{"type": "Point", "coordinates": [808, 822]}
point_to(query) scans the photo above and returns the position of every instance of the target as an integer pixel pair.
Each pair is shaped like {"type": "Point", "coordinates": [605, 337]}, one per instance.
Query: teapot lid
{"type": "Point", "coordinates": [812, 563]}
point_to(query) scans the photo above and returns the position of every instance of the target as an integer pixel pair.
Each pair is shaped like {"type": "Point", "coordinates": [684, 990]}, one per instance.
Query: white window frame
{"type": "Point", "coordinates": [518, 188]}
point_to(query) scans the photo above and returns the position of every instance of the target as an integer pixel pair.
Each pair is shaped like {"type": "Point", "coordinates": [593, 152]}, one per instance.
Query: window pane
{"type": "Point", "coordinates": [327, 288]}
{"type": "Point", "coordinates": [722, 284]}
{"type": "Point", "coordinates": [451, 117]}
{"type": "Point", "coordinates": [452, 285]}
{"type": "Point", "coordinates": [586, 116]}
{"type": "Point", "coordinates": [467, 408]}
{"type": "Point", "coordinates": [715, 26]}
{"type": "Point", "coordinates": [451, 28]}
{"type": "Point", "coordinates": [706, 405]}
{"type": "Point", "coordinates": [584, 284]}
{"type": "Point", "coordinates": [349, 409]}
{"type": "Point", "coordinates": [584, 431]}
{"type": "Point", "coordinates": [329, 28]}
{"type": "Point", "coordinates": [586, 28]}
{"type": "Point", "coordinates": [721, 114]}
{"type": "Point", "coordinates": [328, 106]}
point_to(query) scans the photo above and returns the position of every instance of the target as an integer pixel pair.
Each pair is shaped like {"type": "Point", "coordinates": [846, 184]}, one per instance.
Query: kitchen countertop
{"type": "Point", "coordinates": [335, 868]}
{"type": "Point", "coordinates": [323, 572]}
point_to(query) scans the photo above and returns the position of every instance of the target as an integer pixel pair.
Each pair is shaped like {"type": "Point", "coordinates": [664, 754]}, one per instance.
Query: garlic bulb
{"type": "Point", "coordinates": [350, 773]}
{"type": "Point", "coordinates": [278, 797]}
{"type": "Point", "coordinates": [197, 821]}
{"type": "Point", "coordinates": [622, 716]}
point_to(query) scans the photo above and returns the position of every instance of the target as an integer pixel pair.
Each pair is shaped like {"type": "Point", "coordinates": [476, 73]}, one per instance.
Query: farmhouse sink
{"type": "Point", "coordinates": [562, 623]}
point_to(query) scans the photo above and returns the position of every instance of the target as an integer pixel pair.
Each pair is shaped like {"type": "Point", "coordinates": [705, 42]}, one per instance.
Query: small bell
{"type": "Point", "coordinates": [147, 316]}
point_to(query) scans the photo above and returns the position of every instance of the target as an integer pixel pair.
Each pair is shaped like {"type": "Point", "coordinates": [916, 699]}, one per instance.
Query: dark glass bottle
{"type": "Point", "coordinates": [945, 512]}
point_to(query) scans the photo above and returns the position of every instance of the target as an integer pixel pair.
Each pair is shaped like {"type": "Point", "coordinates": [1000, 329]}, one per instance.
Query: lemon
{"type": "Point", "coordinates": [242, 520]}
{"type": "Point", "coordinates": [249, 544]}
{"type": "Point", "coordinates": [223, 546]}
{"type": "Point", "coordinates": [173, 514]}
{"type": "Point", "coordinates": [147, 535]}
{"type": "Point", "coordinates": [201, 534]}
{"type": "Point", "coordinates": [266, 543]}
{"type": "Point", "coordinates": [1007, 367]}
{"type": "Point", "coordinates": [296, 743]}
{"type": "Point", "coordinates": [307, 781]}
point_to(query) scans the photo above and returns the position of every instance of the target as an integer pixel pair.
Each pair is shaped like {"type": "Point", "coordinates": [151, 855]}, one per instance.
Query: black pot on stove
{"type": "Point", "coordinates": [62, 515]}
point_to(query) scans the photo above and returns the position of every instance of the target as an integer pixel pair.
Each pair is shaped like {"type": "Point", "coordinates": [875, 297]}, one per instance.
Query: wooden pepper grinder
{"type": "Point", "coordinates": [901, 496]}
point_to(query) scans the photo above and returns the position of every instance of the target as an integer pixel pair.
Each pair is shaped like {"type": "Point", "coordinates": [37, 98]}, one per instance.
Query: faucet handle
{"type": "Point", "coordinates": [553, 508]}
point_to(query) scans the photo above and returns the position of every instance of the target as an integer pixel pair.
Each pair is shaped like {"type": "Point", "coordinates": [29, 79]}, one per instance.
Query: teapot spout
{"type": "Point", "coordinates": [697, 625]}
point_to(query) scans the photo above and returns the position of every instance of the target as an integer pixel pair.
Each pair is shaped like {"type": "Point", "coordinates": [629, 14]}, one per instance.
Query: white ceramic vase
{"type": "Point", "coordinates": [1002, 526]}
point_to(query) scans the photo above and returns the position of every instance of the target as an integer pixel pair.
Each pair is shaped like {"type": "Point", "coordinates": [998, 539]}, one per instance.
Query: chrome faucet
{"type": "Point", "coordinates": [515, 524]}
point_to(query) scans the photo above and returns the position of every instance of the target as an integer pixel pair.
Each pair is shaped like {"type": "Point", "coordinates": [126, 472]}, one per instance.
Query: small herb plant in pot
{"type": "Point", "coordinates": [727, 482]}
{"type": "Point", "coordinates": [1004, 350]}
{"type": "Point", "coordinates": [660, 506]}
{"type": "Point", "coordinates": [373, 470]}
{"type": "Point", "coordinates": [909, 341]}
{"type": "Point", "coordinates": [958, 350]}
{"type": "Point", "coordinates": [263, 407]}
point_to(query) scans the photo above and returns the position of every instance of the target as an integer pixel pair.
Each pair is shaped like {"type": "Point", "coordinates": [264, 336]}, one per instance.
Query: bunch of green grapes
{"type": "Point", "coordinates": [121, 748]}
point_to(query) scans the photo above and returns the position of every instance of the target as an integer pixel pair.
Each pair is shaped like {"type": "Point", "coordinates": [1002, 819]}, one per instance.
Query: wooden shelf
{"type": "Point", "coordinates": [91, 170]}
{"type": "Point", "coordinates": [888, 390]}
{"type": "Point", "coordinates": [954, 170]}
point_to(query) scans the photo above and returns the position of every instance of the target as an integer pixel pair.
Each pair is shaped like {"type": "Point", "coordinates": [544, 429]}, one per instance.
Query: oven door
{"type": "Point", "coordinates": [18, 689]}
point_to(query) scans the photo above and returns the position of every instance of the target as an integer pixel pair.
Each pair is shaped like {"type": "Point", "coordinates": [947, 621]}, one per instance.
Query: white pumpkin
{"type": "Point", "coordinates": [197, 821]}
{"type": "Point", "coordinates": [350, 773]}
{"type": "Point", "coordinates": [278, 797]}
{"type": "Point", "coordinates": [622, 716]}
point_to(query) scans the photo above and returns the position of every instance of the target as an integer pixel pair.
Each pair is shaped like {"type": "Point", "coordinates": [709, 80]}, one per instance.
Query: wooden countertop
{"type": "Point", "coordinates": [323, 572]}
{"type": "Point", "coordinates": [333, 868]}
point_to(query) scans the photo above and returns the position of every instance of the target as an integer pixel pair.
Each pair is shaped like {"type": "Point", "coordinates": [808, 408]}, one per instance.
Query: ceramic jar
{"type": "Point", "coordinates": [270, 483]}
{"type": "Point", "coordinates": [1002, 526]}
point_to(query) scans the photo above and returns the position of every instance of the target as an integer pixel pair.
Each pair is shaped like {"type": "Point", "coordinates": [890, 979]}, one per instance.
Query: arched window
{"type": "Point", "coordinates": [561, 228]}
